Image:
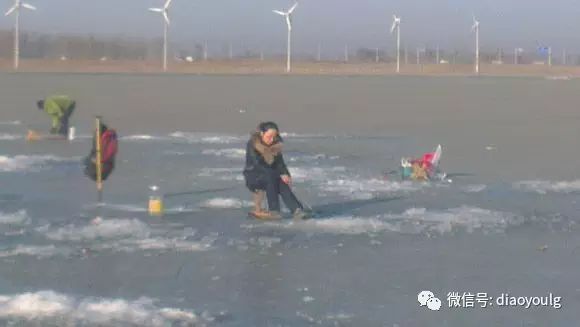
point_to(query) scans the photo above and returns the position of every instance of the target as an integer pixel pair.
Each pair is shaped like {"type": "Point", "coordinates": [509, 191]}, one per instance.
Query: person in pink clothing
{"type": "Point", "coordinates": [424, 169]}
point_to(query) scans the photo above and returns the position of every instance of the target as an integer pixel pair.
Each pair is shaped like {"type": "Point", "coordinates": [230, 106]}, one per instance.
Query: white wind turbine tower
{"type": "Point", "coordinates": [18, 4]}
{"type": "Point", "coordinates": [165, 12]}
{"type": "Point", "coordinates": [517, 53]}
{"type": "Point", "coordinates": [397, 25]}
{"type": "Point", "coordinates": [475, 29]}
{"type": "Point", "coordinates": [288, 16]}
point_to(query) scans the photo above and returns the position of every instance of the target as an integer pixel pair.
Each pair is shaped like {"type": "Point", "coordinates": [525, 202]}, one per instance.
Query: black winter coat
{"type": "Point", "coordinates": [262, 161]}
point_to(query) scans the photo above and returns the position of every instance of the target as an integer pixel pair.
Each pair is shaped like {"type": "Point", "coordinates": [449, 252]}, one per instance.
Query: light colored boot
{"type": "Point", "coordinates": [259, 211]}
{"type": "Point", "coordinates": [258, 197]}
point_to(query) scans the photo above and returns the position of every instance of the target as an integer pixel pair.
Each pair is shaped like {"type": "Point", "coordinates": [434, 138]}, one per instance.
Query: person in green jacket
{"type": "Point", "coordinates": [60, 108]}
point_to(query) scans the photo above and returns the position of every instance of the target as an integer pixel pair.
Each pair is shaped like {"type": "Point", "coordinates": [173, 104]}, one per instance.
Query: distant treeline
{"type": "Point", "coordinates": [89, 47]}
{"type": "Point", "coordinates": [43, 46]}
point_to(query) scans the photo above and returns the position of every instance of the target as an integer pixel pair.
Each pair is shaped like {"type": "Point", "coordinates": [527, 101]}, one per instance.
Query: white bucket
{"type": "Point", "coordinates": [71, 133]}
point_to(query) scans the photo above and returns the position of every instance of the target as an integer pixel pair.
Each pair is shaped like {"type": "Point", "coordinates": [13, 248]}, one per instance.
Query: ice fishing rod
{"type": "Point", "coordinates": [156, 200]}
{"type": "Point", "coordinates": [98, 158]}
{"type": "Point", "coordinates": [308, 206]}
{"type": "Point", "coordinates": [195, 192]}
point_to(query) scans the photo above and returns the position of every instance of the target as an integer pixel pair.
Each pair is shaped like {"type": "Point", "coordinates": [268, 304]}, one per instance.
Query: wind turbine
{"type": "Point", "coordinates": [165, 12]}
{"type": "Point", "coordinates": [397, 25]}
{"type": "Point", "coordinates": [18, 4]}
{"type": "Point", "coordinates": [517, 52]}
{"type": "Point", "coordinates": [475, 29]}
{"type": "Point", "coordinates": [564, 57]}
{"type": "Point", "coordinates": [288, 16]}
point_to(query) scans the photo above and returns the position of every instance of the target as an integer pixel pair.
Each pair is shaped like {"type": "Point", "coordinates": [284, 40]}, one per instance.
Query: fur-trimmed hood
{"type": "Point", "coordinates": [268, 152]}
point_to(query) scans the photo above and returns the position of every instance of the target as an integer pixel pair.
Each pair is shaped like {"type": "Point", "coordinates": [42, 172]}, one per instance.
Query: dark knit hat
{"type": "Point", "coordinates": [263, 127]}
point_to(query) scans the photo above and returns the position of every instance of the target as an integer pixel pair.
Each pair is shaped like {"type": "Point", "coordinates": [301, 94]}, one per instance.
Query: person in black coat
{"type": "Point", "coordinates": [266, 173]}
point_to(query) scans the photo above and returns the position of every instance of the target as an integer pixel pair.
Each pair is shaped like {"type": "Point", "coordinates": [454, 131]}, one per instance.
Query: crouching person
{"type": "Point", "coordinates": [109, 148]}
{"type": "Point", "coordinates": [266, 174]}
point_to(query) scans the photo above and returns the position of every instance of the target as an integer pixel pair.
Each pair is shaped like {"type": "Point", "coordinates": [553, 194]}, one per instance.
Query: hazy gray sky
{"type": "Point", "coordinates": [504, 23]}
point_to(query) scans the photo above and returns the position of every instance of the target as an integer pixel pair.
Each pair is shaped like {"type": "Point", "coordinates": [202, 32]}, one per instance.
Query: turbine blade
{"type": "Point", "coordinates": [396, 23]}
{"type": "Point", "coordinates": [28, 6]}
{"type": "Point", "coordinates": [166, 17]}
{"type": "Point", "coordinates": [10, 11]}
{"type": "Point", "coordinates": [289, 23]}
{"type": "Point", "coordinates": [279, 12]}
{"type": "Point", "coordinates": [291, 10]}
{"type": "Point", "coordinates": [156, 9]}
{"type": "Point", "coordinates": [475, 24]}
{"type": "Point", "coordinates": [167, 4]}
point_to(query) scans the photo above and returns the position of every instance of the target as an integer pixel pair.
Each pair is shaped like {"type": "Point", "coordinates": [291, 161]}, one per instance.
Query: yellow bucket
{"type": "Point", "coordinates": [155, 206]}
